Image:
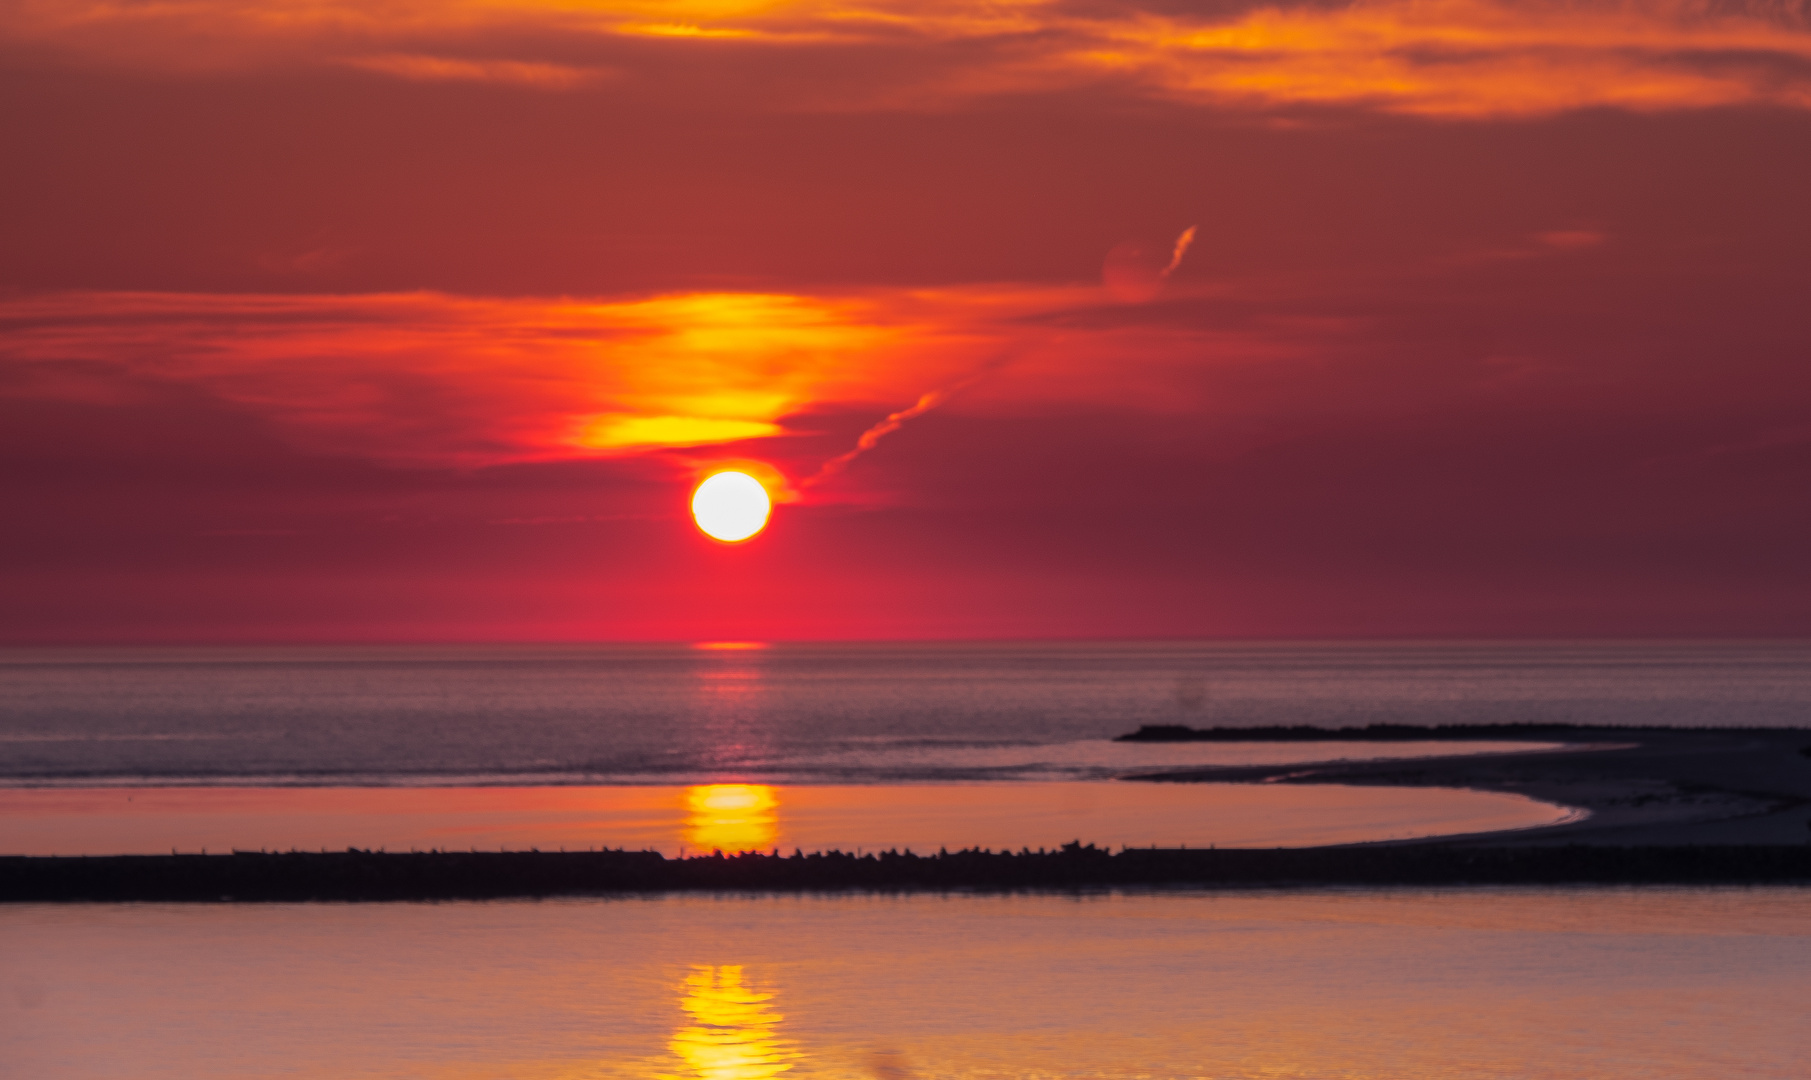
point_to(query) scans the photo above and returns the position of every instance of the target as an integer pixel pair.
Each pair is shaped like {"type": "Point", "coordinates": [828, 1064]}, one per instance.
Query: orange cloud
{"type": "Point", "coordinates": [431, 377]}
{"type": "Point", "coordinates": [1469, 58]}
{"type": "Point", "coordinates": [444, 69]}
{"type": "Point", "coordinates": [427, 378]}
{"type": "Point", "coordinates": [1451, 59]}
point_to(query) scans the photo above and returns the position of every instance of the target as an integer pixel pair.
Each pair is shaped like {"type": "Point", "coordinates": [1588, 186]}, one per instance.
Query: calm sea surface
{"type": "Point", "coordinates": [1658, 984]}
{"type": "Point", "coordinates": [807, 713]}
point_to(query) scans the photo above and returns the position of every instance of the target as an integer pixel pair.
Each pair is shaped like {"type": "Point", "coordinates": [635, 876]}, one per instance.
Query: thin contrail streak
{"type": "Point", "coordinates": [894, 421]}
{"type": "Point", "coordinates": [1182, 243]}
{"type": "Point", "coordinates": [935, 398]}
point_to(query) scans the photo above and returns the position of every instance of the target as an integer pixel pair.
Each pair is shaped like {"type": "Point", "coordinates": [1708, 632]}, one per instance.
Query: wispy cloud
{"type": "Point", "coordinates": [452, 69]}
{"type": "Point", "coordinates": [1470, 58]}
{"type": "Point", "coordinates": [1452, 59]}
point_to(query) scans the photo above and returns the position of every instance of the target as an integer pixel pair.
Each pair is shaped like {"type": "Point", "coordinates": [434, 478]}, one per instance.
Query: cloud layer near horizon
{"type": "Point", "coordinates": [439, 380]}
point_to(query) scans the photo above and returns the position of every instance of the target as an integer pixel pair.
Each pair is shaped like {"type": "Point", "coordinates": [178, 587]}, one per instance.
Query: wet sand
{"type": "Point", "coordinates": [1641, 787]}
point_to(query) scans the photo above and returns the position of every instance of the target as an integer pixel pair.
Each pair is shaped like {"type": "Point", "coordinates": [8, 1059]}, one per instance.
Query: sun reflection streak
{"type": "Point", "coordinates": [732, 817]}
{"type": "Point", "coordinates": [733, 1034]}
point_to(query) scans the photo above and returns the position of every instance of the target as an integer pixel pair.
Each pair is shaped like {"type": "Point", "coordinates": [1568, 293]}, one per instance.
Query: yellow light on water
{"type": "Point", "coordinates": [732, 817]}
{"type": "Point", "coordinates": [732, 1035]}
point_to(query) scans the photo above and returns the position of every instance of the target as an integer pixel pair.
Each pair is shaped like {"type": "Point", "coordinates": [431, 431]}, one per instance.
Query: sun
{"type": "Point", "coordinates": [731, 506]}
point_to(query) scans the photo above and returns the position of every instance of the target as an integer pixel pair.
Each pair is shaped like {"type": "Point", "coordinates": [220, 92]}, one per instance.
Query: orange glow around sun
{"type": "Point", "coordinates": [731, 506]}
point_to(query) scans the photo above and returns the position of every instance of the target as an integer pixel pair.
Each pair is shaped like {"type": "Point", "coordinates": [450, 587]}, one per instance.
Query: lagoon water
{"type": "Point", "coordinates": [743, 817]}
{"type": "Point", "coordinates": [1611, 984]}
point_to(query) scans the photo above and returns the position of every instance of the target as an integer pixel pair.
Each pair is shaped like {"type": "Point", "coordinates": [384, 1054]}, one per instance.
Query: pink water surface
{"type": "Point", "coordinates": [1516, 984]}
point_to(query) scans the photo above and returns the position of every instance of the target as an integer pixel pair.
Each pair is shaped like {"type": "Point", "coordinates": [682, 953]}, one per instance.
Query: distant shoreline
{"type": "Point", "coordinates": [1173, 733]}
{"type": "Point", "coordinates": [373, 876]}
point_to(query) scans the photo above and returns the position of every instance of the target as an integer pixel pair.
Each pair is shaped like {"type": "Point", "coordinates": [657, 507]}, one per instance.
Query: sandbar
{"type": "Point", "coordinates": [1639, 787]}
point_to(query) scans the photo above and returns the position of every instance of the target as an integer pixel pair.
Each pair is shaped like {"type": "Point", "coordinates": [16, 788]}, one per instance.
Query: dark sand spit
{"type": "Point", "coordinates": [364, 875]}
{"type": "Point", "coordinates": [1640, 786]}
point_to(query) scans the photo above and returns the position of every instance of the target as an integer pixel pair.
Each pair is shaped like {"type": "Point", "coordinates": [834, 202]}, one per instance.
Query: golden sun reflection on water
{"type": "Point", "coordinates": [732, 817]}
{"type": "Point", "coordinates": [733, 1034]}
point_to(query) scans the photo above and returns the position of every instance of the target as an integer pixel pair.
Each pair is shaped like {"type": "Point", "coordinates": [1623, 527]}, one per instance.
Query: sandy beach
{"type": "Point", "coordinates": [1640, 786]}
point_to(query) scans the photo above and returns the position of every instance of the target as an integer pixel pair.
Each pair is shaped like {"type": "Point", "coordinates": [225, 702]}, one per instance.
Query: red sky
{"type": "Point", "coordinates": [374, 321]}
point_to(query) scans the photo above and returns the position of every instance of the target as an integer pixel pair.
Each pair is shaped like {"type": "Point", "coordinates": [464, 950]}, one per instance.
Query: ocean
{"type": "Point", "coordinates": [800, 713]}
{"type": "Point", "coordinates": [743, 746]}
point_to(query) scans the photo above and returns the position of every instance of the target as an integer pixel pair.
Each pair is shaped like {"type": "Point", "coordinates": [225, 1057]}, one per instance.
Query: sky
{"type": "Point", "coordinates": [324, 320]}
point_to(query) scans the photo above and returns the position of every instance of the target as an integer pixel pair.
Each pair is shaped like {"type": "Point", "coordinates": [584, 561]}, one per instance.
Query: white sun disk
{"type": "Point", "coordinates": [731, 506]}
